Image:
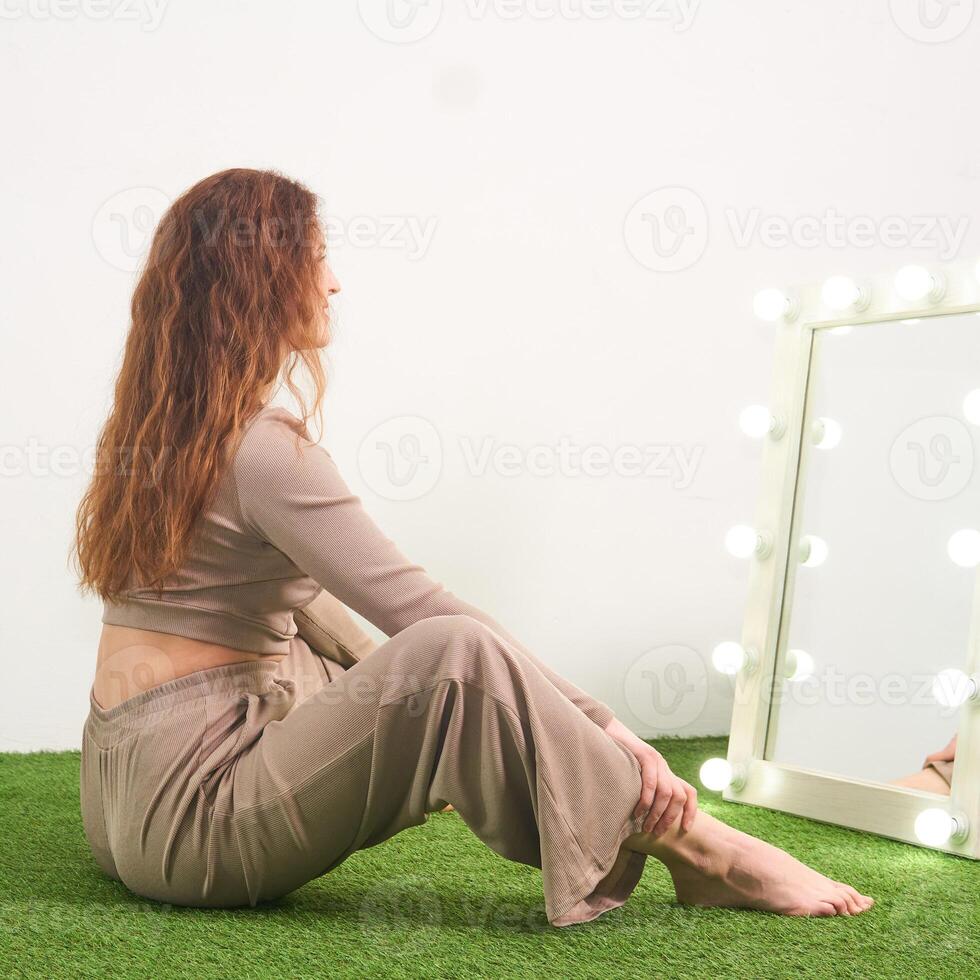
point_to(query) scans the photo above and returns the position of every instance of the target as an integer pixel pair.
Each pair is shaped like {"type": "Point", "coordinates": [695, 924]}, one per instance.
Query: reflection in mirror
{"type": "Point", "coordinates": [879, 600]}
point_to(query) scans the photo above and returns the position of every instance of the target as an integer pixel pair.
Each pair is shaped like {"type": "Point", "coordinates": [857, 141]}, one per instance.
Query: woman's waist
{"type": "Point", "coordinates": [134, 660]}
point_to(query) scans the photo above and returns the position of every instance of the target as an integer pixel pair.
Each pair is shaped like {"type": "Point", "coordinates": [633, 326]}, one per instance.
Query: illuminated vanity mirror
{"type": "Point", "coordinates": [861, 648]}
{"type": "Point", "coordinates": [874, 638]}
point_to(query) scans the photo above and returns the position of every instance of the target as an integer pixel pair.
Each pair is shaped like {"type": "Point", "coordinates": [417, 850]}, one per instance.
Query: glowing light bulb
{"type": "Point", "coordinates": [716, 774]}
{"type": "Point", "coordinates": [915, 283]}
{"type": "Point", "coordinates": [731, 657]}
{"type": "Point", "coordinates": [813, 550]}
{"type": "Point", "coordinates": [756, 421]}
{"type": "Point", "coordinates": [743, 541]}
{"type": "Point", "coordinates": [772, 305]}
{"type": "Point", "coordinates": [971, 406]}
{"type": "Point", "coordinates": [951, 687]}
{"type": "Point", "coordinates": [936, 827]}
{"type": "Point", "coordinates": [964, 548]}
{"type": "Point", "coordinates": [826, 433]}
{"type": "Point", "coordinates": [840, 293]}
{"type": "Point", "coordinates": [800, 665]}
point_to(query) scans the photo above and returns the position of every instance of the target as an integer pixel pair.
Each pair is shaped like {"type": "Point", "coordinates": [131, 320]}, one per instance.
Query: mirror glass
{"type": "Point", "coordinates": [881, 588]}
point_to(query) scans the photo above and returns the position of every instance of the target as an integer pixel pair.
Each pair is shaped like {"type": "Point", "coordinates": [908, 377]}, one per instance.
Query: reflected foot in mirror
{"type": "Point", "coordinates": [715, 865]}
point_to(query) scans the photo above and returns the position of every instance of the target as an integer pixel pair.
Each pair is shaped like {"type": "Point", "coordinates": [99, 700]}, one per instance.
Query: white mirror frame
{"type": "Point", "coordinates": [877, 808]}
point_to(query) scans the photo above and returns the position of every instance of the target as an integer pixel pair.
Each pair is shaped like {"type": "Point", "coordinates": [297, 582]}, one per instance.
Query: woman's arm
{"type": "Point", "coordinates": [327, 627]}
{"type": "Point", "coordinates": [293, 496]}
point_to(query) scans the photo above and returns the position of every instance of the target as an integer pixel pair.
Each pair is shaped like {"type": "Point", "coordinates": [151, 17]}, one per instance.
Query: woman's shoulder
{"type": "Point", "coordinates": [272, 422]}
{"type": "Point", "coordinates": [272, 435]}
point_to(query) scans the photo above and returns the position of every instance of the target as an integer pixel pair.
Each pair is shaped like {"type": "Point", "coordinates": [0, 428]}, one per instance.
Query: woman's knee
{"type": "Point", "coordinates": [451, 639]}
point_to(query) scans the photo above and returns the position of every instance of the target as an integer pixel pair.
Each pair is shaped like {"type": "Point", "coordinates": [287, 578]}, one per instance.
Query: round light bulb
{"type": "Point", "coordinates": [772, 305]}
{"type": "Point", "coordinates": [951, 687]}
{"type": "Point", "coordinates": [936, 827]}
{"type": "Point", "coordinates": [756, 421]}
{"type": "Point", "coordinates": [716, 774]}
{"type": "Point", "coordinates": [729, 657]}
{"type": "Point", "coordinates": [971, 406]}
{"type": "Point", "coordinates": [814, 550]}
{"type": "Point", "coordinates": [800, 665]}
{"type": "Point", "coordinates": [915, 283]}
{"type": "Point", "coordinates": [964, 548]}
{"type": "Point", "coordinates": [827, 433]}
{"type": "Point", "coordinates": [743, 541]}
{"type": "Point", "coordinates": [840, 293]}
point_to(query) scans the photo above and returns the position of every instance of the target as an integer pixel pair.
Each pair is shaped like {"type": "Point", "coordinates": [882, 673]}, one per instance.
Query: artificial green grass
{"type": "Point", "coordinates": [434, 902]}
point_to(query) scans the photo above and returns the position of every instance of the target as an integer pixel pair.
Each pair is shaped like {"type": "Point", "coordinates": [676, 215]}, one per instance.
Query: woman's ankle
{"type": "Point", "coordinates": [708, 847]}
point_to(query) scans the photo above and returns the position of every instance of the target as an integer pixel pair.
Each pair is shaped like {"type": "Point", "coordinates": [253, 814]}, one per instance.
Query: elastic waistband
{"type": "Point", "coordinates": [229, 680]}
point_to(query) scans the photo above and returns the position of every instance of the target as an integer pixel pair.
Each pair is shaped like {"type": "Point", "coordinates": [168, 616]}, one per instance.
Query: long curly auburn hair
{"type": "Point", "coordinates": [230, 301]}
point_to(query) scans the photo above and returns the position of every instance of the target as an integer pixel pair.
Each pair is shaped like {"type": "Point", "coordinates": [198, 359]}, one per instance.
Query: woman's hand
{"type": "Point", "coordinates": [664, 797]}
{"type": "Point", "coordinates": [947, 754]}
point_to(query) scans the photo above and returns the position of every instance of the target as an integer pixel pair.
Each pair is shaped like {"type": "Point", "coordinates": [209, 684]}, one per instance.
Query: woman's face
{"type": "Point", "coordinates": [328, 286]}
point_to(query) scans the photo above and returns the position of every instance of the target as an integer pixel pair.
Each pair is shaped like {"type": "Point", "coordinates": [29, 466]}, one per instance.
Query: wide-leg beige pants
{"type": "Point", "coordinates": [238, 784]}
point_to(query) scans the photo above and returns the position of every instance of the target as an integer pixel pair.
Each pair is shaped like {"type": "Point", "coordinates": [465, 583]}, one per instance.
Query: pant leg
{"type": "Point", "coordinates": [445, 712]}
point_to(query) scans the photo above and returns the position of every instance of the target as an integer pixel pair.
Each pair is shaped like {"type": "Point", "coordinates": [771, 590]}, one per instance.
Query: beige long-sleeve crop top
{"type": "Point", "coordinates": [284, 525]}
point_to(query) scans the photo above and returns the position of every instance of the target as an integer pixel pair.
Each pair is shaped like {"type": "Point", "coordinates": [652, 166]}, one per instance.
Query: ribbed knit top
{"type": "Point", "coordinates": [283, 525]}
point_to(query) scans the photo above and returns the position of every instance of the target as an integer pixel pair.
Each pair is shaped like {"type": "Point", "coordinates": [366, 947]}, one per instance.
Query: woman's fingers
{"type": "Point", "coordinates": [664, 794]}
{"type": "Point", "coordinates": [649, 774]}
{"type": "Point", "coordinates": [674, 809]}
{"type": "Point", "coordinates": [690, 807]}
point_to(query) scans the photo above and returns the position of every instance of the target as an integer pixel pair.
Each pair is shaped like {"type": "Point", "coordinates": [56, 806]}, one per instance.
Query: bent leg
{"type": "Point", "coordinates": [445, 712]}
{"type": "Point", "coordinates": [929, 779]}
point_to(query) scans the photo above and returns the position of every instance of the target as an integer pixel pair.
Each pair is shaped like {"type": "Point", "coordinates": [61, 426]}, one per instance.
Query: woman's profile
{"type": "Point", "coordinates": [226, 759]}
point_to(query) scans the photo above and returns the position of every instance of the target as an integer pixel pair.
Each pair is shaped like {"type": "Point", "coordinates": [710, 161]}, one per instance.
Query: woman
{"type": "Point", "coordinates": [225, 763]}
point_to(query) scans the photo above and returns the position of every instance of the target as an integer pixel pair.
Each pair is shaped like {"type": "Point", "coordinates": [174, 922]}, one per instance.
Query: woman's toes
{"type": "Point", "coordinates": [854, 903]}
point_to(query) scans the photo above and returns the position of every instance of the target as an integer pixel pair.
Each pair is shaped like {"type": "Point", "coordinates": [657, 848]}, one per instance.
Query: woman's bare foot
{"type": "Point", "coordinates": [713, 864]}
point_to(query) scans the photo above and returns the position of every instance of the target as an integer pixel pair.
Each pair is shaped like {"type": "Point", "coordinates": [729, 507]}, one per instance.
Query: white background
{"type": "Point", "coordinates": [524, 140]}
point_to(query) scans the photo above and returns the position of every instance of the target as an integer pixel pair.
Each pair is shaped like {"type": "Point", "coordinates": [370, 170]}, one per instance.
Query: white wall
{"type": "Point", "coordinates": [538, 310]}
